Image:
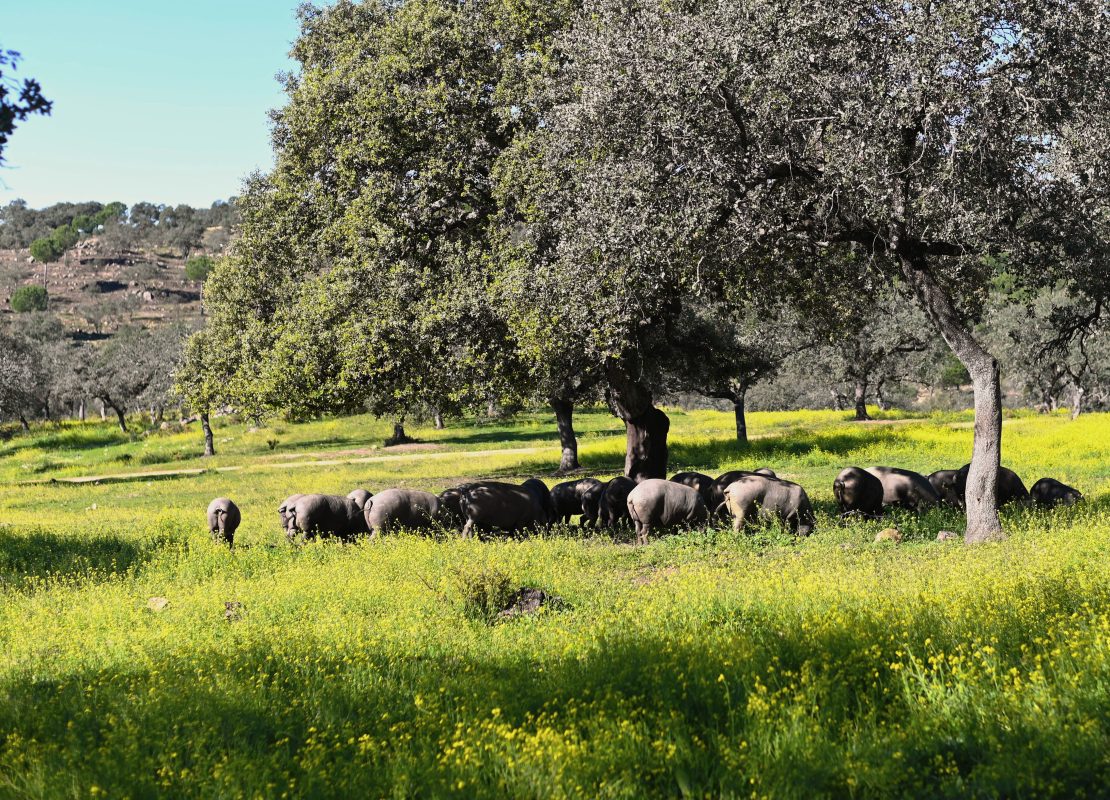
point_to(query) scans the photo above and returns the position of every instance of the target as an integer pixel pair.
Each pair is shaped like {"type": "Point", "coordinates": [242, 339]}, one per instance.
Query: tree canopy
{"type": "Point", "coordinates": [544, 200]}
{"type": "Point", "coordinates": [18, 99]}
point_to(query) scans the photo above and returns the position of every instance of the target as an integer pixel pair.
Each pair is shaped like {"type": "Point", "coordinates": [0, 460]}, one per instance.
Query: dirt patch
{"type": "Point", "coordinates": [413, 447]}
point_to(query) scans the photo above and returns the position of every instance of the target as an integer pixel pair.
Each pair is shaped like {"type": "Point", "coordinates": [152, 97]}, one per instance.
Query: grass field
{"type": "Point", "coordinates": [704, 664]}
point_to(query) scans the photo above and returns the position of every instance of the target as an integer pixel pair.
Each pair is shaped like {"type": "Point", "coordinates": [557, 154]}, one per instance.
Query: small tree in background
{"type": "Point", "coordinates": [29, 298]}
{"type": "Point", "coordinates": [198, 267]}
{"type": "Point", "coordinates": [200, 382]}
{"type": "Point", "coordinates": [45, 250]}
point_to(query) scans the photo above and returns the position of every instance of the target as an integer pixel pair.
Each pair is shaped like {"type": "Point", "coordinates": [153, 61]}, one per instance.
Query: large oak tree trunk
{"type": "Point", "coordinates": [209, 441]}
{"type": "Point", "coordinates": [646, 426]}
{"type": "Point", "coordinates": [399, 436]}
{"type": "Point", "coordinates": [120, 418]}
{"type": "Point", "coordinates": [980, 497]}
{"type": "Point", "coordinates": [861, 400]}
{"type": "Point", "coordinates": [564, 420]}
{"type": "Point", "coordinates": [739, 411]}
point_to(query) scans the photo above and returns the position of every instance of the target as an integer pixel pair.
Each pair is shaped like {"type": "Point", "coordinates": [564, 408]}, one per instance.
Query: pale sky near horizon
{"type": "Point", "coordinates": [158, 101]}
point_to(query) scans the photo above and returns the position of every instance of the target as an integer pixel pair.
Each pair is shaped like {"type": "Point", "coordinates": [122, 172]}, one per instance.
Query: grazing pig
{"type": "Point", "coordinates": [324, 514]}
{"type": "Point", "coordinates": [905, 488]}
{"type": "Point", "coordinates": [491, 505]}
{"type": "Point", "coordinates": [283, 509]}
{"type": "Point", "coordinates": [704, 485]}
{"type": "Point", "coordinates": [1009, 488]}
{"type": "Point", "coordinates": [656, 503]}
{"type": "Point", "coordinates": [943, 482]}
{"type": "Point", "coordinates": [359, 496]}
{"type": "Point", "coordinates": [722, 482]}
{"type": "Point", "coordinates": [400, 508]}
{"type": "Point", "coordinates": [223, 519]}
{"type": "Point", "coordinates": [859, 492]}
{"type": "Point", "coordinates": [1049, 493]}
{"type": "Point", "coordinates": [578, 497]}
{"type": "Point", "coordinates": [760, 496]}
{"type": "Point", "coordinates": [450, 507]}
{"type": "Point", "coordinates": [543, 494]}
{"type": "Point", "coordinates": [613, 510]}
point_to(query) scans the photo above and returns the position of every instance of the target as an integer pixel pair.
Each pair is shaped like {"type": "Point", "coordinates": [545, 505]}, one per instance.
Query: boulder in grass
{"type": "Point", "coordinates": [889, 535]}
{"type": "Point", "coordinates": [529, 601]}
{"type": "Point", "coordinates": [948, 536]}
{"type": "Point", "coordinates": [157, 604]}
{"type": "Point", "coordinates": [233, 610]}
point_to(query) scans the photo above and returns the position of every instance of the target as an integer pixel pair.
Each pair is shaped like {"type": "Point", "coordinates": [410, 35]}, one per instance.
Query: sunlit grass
{"type": "Point", "coordinates": [703, 664]}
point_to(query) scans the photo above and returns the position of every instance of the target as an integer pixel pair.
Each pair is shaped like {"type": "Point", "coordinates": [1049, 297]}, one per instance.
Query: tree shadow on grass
{"type": "Point", "coordinates": [787, 445]}
{"type": "Point", "coordinates": [77, 438]}
{"type": "Point", "coordinates": [538, 435]}
{"type": "Point", "coordinates": [28, 557]}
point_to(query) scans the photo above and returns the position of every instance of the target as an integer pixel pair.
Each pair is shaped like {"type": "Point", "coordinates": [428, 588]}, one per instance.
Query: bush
{"type": "Point", "coordinates": [485, 593]}
{"type": "Point", "coordinates": [29, 298]}
{"type": "Point", "coordinates": [198, 267]}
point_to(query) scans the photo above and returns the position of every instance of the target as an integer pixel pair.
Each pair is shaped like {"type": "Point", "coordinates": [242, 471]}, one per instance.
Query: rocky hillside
{"type": "Point", "coordinates": [95, 290]}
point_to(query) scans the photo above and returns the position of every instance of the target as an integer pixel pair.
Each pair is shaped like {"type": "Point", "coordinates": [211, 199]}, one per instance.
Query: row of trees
{"type": "Point", "coordinates": [148, 226]}
{"type": "Point", "coordinates": [546, 200]}
{"type": "Point", "coordinates": [46, 374]}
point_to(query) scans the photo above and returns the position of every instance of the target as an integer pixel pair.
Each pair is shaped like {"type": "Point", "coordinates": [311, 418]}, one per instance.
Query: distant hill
{"type": "Point", "coordinates": [96, 289]}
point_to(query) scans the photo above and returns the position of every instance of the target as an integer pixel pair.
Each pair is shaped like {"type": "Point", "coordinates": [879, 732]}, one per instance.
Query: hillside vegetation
{"type": "Point", "coordinates": [705, 664]}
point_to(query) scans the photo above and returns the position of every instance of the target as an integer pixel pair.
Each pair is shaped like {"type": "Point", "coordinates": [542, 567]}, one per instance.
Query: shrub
{"type": "Point", "coordinates": [29, 298]}
{"type": "Point", "coordinates": [198, 267]}
{"type": "Point", "coordinates": [485, 593]}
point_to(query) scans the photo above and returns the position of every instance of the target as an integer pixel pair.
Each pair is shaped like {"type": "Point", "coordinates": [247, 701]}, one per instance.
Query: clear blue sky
{"type": "Point", "coordinates": [153, 100]}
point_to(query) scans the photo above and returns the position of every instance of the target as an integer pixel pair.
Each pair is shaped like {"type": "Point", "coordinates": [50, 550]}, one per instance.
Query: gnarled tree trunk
{"type": "Point", "coordinates": [739, 400]}
{"type": "Point", "coordinates": [880, 398]}
{"type": "Point", "coordinates": [121, 419]}
{"type": "Point", "coordinates": [564, 421]}
{"type": "Point", "coordinates": [861, 400]}
{"type": "Point", "coordinates": [81, 410]}
{"type": "Point", "coordinates": [438, 418]}
{"type": "Point", "coordinates": [399, 436]}
{"type": "Point", "coordinates": [646, 426]}
{"type": "Point", "coordinates": [980, 497]}
{"type": "Point", "coordinates": [209, 441]}
{"type": "Point", "coordinates": [1077, 401]}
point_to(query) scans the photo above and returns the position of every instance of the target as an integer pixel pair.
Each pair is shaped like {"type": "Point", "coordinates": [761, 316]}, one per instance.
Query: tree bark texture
{"type": "Point", "coordinates": [739, 400]}
{"type": "Point", "coordinates": [209, 441]}
{"type": "Point", "coordinates": [861, 400]}
{"type": "Point", "coordinates": [981, 500]}
{"type": "Point", "coordinates": [121, 419]}
{"type": "Point", "coordinates": [564, 421]}
{"type": "Point", "coordinates": [399, 436]}
{"type": "Point", "coordinates": [646, 426]}
{"type": "Point", "coordinates": [1077, 401]}
{"type": "Point", "coordinates": [439, 420]}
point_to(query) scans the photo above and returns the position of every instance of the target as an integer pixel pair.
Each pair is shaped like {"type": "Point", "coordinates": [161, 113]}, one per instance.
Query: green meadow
{"type": "Point", "coordinates": [703, 665]}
